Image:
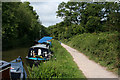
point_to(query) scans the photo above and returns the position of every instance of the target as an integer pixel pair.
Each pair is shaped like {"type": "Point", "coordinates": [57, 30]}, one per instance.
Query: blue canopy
{"type": "Point", "coordinates": [44, 39]}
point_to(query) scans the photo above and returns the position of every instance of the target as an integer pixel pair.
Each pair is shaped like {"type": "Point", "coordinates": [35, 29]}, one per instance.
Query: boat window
{"type": "Point", "coordinates": [45, 52]}
{"type": "Point", "coordinates": [1, 63]}
{"type": "Point", "coordinates": [39, 51]}
{"type": "Point", "coordinates": [34, 53]}
{"type": "Point", "coordinates": [48, 46]}
{"type": "Point", "coordinates": [46, 55]}
{"type": "Point", "coordinates": [31, 53]}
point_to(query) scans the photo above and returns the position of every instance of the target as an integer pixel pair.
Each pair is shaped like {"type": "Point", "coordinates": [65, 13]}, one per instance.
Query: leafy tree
{"type": "Point", "coordinates": [20, 24]}
{"type": "Point", "coordinates": [71, 12]}
{"type": "Point", "coordinates": [9, 21]}
{"type": "Point", "coordinates": [89, 17]}
{"type": "Point", "coordinates": [112, 11]}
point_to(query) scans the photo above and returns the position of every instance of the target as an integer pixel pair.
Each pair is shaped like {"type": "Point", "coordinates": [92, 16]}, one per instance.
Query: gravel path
{"type": "Point", "coordinates": [89, 68]}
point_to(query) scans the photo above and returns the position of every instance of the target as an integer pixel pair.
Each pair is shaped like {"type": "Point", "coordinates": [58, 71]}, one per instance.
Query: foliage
{"type": "Point", "coordinates": [86, 17]}
{"type": "Point", "coordinates": [83, 26]}
{"type": "Point", "coordinates": [62, 67]}
{"type": "Point", "coordinates": [70, 11]}
{"type": "Point", "coordinates": [62, 31]}
{"type": "Point", "coordinates": [103, 47]}
{"type": "Point", "coordinates": [20, 24]}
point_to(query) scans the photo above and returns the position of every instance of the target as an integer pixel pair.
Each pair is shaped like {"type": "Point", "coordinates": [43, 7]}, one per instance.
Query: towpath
{"type": "Point", "coordinates": [89, 68]}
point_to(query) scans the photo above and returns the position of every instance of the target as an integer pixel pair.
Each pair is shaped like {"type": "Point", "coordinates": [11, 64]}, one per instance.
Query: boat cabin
{"type": "Point", "coordinates": [17, 70]}
{"type": "Point", "coordinates": [39, 50]}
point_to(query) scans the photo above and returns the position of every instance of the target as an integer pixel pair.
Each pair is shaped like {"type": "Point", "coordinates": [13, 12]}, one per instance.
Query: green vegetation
{"type": "Point", "coordinates": [20, 25]}
{"type": "Point", "coordinates": [101, 47]}
{"type": "Point", "coordinates": [62, 67]}
{"type": "Point", "coordinates": [85, 17]}
{"type": "Point", "coordinates": [91, 27]}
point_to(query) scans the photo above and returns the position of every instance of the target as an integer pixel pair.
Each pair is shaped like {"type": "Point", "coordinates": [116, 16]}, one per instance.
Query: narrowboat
{"type": "Point", "coordinates": [38, 53]}
{"type": "Point", "coordinates": [4, 70]}
{"type": "Point", "coordinates": [17, 70]}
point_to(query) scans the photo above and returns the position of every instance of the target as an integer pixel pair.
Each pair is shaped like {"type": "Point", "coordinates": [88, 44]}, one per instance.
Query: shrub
{"type": "Point", "coordinates": [101, 47]}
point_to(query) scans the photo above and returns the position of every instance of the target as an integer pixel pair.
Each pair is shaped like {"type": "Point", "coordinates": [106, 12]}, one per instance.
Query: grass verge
{"type": "Point", "coordinates": [62, 67]}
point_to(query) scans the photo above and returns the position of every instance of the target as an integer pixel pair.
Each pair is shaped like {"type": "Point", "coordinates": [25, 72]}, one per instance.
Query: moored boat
{"type": "Point", "coordinates": [38, 53]}
{"type": "Point", "coordinates": [17, 70]}
{"type": "Point", "coordinates": [4, 70]}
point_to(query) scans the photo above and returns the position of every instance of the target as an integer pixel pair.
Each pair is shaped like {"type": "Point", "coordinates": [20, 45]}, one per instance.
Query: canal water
{"type": "Point", "coordinates": [14, 53]}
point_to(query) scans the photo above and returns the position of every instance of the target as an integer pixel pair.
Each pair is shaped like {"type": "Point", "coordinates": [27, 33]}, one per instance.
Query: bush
{"type": "Point", "coordinates": [101, 47]}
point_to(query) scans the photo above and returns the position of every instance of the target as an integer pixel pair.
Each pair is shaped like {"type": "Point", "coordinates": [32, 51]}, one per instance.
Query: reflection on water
{"type": "Point", "coordinates": [13, 54]}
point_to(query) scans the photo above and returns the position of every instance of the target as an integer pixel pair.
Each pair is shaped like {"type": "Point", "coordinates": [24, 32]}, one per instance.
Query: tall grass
{"type": "Point", "coordinates": [61, 67]}
{"type": "Point", "coordinates": [101, 47]}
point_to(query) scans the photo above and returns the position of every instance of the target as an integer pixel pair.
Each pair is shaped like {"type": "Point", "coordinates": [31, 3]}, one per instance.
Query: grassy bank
{"type": "Point", "coordinates": [101, 47]}
{"type": "Point", "coordinates": [62, 67]}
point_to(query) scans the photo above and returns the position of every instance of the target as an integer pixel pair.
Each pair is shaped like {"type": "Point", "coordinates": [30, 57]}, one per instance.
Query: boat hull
{"type": "Point", "coordinates": [4, 70]}
{"type": "Point", "coordinates": [35, 61]}
{"type": "Point", "coordinates": [17, 70]}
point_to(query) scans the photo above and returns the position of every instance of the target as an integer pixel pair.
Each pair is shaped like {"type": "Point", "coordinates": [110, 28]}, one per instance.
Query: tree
{"type": "Point", "coordinates": [113, 17]}
{"type": "Point", "coordinates": [71, 11]}
{"type": "Point", "coordinates": [20, 24]}
{"type": "Point", "coordinates": [9, 21]}
{"type": "Point", "coordinates": [89, 17]}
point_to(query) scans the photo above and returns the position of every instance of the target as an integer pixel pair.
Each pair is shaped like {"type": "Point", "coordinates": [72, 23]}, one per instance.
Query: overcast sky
{"type": "Point", "coordinates": [46, 11]}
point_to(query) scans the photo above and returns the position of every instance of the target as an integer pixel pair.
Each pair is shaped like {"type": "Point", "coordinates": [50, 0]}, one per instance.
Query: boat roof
{"type": "Point", "coordinates": [40, 46]}
{"type": "Point", "coordinates": [44, 39]}
{"type": "Point", "coordinates": [16, 66]}
{"type": "Point", "coordinates": [4, 65]}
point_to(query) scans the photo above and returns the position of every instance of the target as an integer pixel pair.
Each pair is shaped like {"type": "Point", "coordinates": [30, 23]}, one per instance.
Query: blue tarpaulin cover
{"type": "Point", "coordinates": [45, 39]}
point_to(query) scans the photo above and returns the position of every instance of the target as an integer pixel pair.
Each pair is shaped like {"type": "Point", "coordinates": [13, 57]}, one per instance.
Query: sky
{"type": "Point", "coordinates": [46, 9]}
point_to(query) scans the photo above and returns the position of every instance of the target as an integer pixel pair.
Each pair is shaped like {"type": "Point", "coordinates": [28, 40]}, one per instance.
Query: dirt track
{"type": "Point", "coordinates": [89, 68]}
